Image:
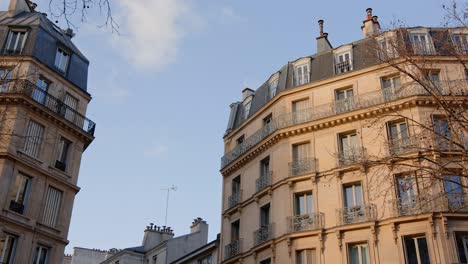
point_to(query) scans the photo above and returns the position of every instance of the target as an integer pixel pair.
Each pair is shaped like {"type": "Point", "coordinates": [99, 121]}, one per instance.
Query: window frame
{"type": "Point", "coordinates": [12, 251]}
{"type": "Point", "coordinates": [354, 195]}
{"type": "Point", "coordinates": [27, 140]}
{"type": "Point", "coordinates": [40, 249]}
{"type": "Point", "coordinates": [304, 78]}
{"type": "Point", "coordinates": [235, 231]}
{"type": "Point", "coordinates": [64, 53]}
{"type": "Point", "coordinates": [55, 218]}
{"type": "Point", "coordinates": [296, 205]}
{"type": "Point", "coordinates": [15, 50]}
{"type": "Point", "coordinates": [415, 238]}
{"type": "Point", "coordinates": [68, 154]}
{"type": "Point", "coordinates": [359, 245]}
{"type": "Point", "coordinates": [21, 187]}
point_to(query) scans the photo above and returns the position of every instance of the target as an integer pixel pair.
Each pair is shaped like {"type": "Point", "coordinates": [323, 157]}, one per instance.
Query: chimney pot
{"type": "Point", "coordinates": [321, 27]}
{"type": "Point", "coordinates": [369, 13]}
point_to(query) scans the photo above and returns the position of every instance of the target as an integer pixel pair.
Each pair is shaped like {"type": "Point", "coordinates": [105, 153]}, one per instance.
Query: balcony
{"type": "Point", "coordinates": [342, 67]}
{"type": "Point", "coordinates": [234, 199]}
{"type": "Point", "coordinates": [16, 207]}
{"type": "Point", "coordinates": [233, 249]}
{"type": "Point", "coordinates": [351, 156]}
{"type": "Point", "coordinates": [346, 105]}
{"type": "Point", "coordinates": [418, 204]}
{"type": "Point", "coordinates": [264, 181]}
{"type": "Point", "coordinates": [301, 167]}
{"type": "Point", "coordinates": [11, 51]}
{"type": "Point", "coordinates": [305, 222]}
{"type": "Point", "coordinates": [453, 87]}
{"type": "Point", "coordinates": [58, 107]}
{"type": "Point", "coordinates": [356, 214]}
{"type": "Point", "coordinates": [400, 146]}
{"type": "Point", "coordinates": [263, 234]}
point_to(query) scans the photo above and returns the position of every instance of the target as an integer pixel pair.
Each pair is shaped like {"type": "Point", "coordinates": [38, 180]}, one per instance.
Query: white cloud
{"type": "Point", "coordinates": [228, 14]}
{"type": "Point", "coordinates": [155, 151]}
{"type": "Point", "coordinates": [151, 31]}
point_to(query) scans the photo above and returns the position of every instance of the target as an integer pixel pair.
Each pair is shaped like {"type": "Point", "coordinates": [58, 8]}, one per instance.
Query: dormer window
{"type": "Point", "coordinates": [301, 74]}
{"type": "Point", "coordinates": [460, 41]}
{"type": "Point", "coordinates": [246, 105]}
{"type": "Point", "coordinates": [422, 43]}
{"type": "Point", "coordinates": [15, 42]}
{"type": "Point", "coordinates": [343, 62]}
{"type": "Point", "coordinates": [61, 60]}
{"type": "Point", "coordinates": [273, 86]}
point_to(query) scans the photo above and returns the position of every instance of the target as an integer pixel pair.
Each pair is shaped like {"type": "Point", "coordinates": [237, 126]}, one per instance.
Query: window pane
{"type": "Point", "coordinates": [411, 255]}
{"type": "Point", "coordinates": [354, 254]}
{"type": "Point", "coordinates": [349, 199]}
{"type": "Point", "coordinates": [358, 193]}
{"type": "Point", "coordinates": [309, 204]}
{"type": "Point", "coordinates": [423, 251]}
{"type": "Point", "coordinates": [364, 254]}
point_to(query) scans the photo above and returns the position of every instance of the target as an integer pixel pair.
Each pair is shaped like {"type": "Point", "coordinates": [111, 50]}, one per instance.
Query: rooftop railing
{"type": "Point", "coordinates": [29, 89]}
{"type": "Point", "coordinates": [305, 222]}
{"type": "Point", "coordinates": [454, 87]}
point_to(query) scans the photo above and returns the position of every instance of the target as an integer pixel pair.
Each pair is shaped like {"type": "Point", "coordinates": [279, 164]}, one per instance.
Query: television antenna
{"type": "Point", "coordinates": [172, 188]}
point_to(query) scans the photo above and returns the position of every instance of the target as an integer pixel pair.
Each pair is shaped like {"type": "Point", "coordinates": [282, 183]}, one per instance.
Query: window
{"type": "Point", "coordinates": [386, 48]}
{"type": "Point", "coordinates": [235, 197]}
{"type": "Point", "coordinates": [300, 152]}
{"type": "Point", "coordinates": [41, 255]}
{"type": "Point", "coordinates": [462, 247]}
{"type": "Point", "coordinates": [265, 216]}
{"type": "Point", "coordinates": [154, 259]}
{"type": "Point", "coordinates": [421, 44]}
{"type": "Point", "coordinates": [70, 111]}
{"type": "Point", "coordinates": [353, 196]}
{"type": "Point", "coordinates": [235, 231]}
{"type": "Point", "coordinates": [398, 136]}
{"type": "Point", "coordinates": [303, 203]}
{"type": "Point", "coordinates": [240, 140]}
{"type": "Point", "coordinates": [460, 42]}
{"type": "Point", "coordinates": [247, 103]}
{"type": "Point", "coordinates": [236, 185]}
{"type": "Point", "coordinates": [15, 42]}
{"type": "Point", "coordinates": [306, 256]}
{"type": "Point", "coordinates": [5, 77]}
{"type": "Point", "coordinates": [206, 260]}
{"type": "Point", "coordinates": [300, 110]}
{"type": "Point", "coordinates": [416, 250]}
{"type": "Point", "coordinates": [301, 74]}
{"type": "Point", "coordinates": [442, 132]}
{"type": "Point", "coordinates": [348, 147]}
{"type": "Point", "coordinates": [358, 254]}
{"type": "Point", "coordinates": [343, 62]}
{"type": "Point", "coordinates": [40, 91]}
{"type": "Point", "coordinates": [61, 60]}
{"type": "Point", "coordinates": [33, 139]}
{"type": "Point", "coordinates": [7, 248]}
{"type": "Point", "coordinates": [20, 194]}
{"type": "Point", "coordinates": [406, 192]}
{"type": "Point", "coordinates": [266, 261]}
{"type": "Point", "coordinates": [63, 154]}
{"type": "Point", "coordinates": [344, 100]}
{"type": "Point", "coordinates": [267, 120]}
{"type": "Point", "coordinates": [273, 86]}
{"type": "Point", "coordinates": [390, 86]}
{"type": "Point", "coordinates": [52, 207]}
{"type": "Point", "coordinates": [454, 191]}
{"type": "Point", "coordinates": [432, 77]}
{"type": "Point", "coordinates": [265, 166]}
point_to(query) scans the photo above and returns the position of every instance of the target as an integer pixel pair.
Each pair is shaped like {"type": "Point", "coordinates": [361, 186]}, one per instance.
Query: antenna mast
{"type": "Point", "coordinates": [173, 188]}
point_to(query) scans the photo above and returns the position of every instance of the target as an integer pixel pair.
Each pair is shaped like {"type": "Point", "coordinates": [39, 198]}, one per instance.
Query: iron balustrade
{"type": "Point", "coordinates": [235, 199]}
{"type": "Point", "coordinates": [351, 156]}
{"type": "Point", "coordinates": [264, 181]}
{"type": "Point", "coordinates": [11, 51]}
{"type": "Point", "coordinates": [356, 214]}
{"type": "Point", "coordinates": [415, 205]}
{"type": "Point", "coordinates": [301, 167]}
{"type": "Point", "coordinates": [346, 105]}
{"type": "Point", "coordinates": [344, 66]}
{"type": "Point", "coordinates": [403, 145]}
{"type": "Point", "coordinates": [232, 249]}
{"type": "Point", "coordinates": [453, 87]}
{"type": "Point", "coordinates": [16, 207]}
{"type": "Point", "coordinates": [263, 234]}
{"type": "Point", "coordinates": [29, 89]}
{"type": "Point", "coordinates": [305, 222]}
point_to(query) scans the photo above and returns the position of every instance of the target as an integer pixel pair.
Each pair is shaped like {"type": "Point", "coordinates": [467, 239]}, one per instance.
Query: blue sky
{"type": "Point", "coordinates": [161, 93]}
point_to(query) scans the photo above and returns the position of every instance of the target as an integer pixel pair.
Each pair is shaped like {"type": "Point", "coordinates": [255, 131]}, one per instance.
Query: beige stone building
{"type": "Point", "coordinates": [323, 162]}
{"type": "Point", "coordinates": [43, 134]}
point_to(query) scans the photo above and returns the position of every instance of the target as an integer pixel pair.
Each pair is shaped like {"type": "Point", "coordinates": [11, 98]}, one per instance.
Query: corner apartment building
{"type": "Point", "coordinates": [323, 162]}
{"type": "Point", "coordinates": [43, 134]}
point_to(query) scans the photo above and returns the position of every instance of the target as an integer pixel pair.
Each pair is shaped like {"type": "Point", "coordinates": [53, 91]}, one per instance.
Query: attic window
{"type": "Point", "coordinates": [246, 105]}
{"type": "Point", "coordinates": [422, 44]}
{"type": "Point", "coordinates": [61, 60]}
{"type": "Point", "coordinates": [343, 62]}
{"type": "Point", "coordinates": [273, 86]}
{"type": "Point", "coordinates": [461, 43]}
{"type": "Point", "coordinates": [15, 42]}
{"type": "Point", "coordinates": [301, 74]}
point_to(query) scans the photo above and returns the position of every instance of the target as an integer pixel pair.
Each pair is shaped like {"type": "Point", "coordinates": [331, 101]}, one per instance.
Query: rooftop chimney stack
{"type": "Point", "coordinates": [371, 26]}
{"type": "Point", "coordinates": [246, 93]}
{"type": "Point", "coordinates": [322, 41]}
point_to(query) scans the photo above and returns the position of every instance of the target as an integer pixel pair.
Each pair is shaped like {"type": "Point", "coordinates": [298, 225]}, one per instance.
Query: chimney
{"type": "Point", "coordinates": [19, 6]}
{"type": "Point", "coordinates": [154, 235]}
{"type": "Point", "coordinates": [246, 93]}
{"type": "Point", "coordinates": [69, 32]}
{"type": "Point", "coordinates": [200, 226]}
{"type": "Point", "coordinates": [322, 40]}
{"type": "Point", "coordinates": [371, 26]}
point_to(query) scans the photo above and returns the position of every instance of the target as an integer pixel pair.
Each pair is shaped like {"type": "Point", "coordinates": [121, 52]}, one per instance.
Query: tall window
{"type": "Point", "coordinates": [300, 112]}
{"type": "Point", "coordinates": [61, 60]}
{"type": "Point", "coordinates": [460, 42]}
{"type": "Point", "coordinates": [343, 62]}
{"type": "Point", "coordinates": [416, 250]}
{"type": "Point", "coordinates": [267, 120]}
{"type": "Point", "coordinates": [406, 191]}
{"type": "Point", "coordinates": [421, 44]}
{"type": "Point", "coordinates": [5, 77]}
{"type": "Point", "coordinates": [7, 248]}
{"type": "Point", "coordinates": [306, 256]}
{"type": "Point", "coordinates": [398, 130]}
{"type": "Point", "coordinates": [301, 74]}
{"type": "Point", "coordinates": [52, 207]}
{"type": "Point", "coordinates": [390, 86]}
{"type": "Point", "coordinates": [236, 185]}
{"type": "Point", "coordinates": [206, 260]}
{"type": "Point", "coordinates": [300, 152]}
{"type": "Point", "coordinates": [72, 104]}
{"type": "Point", "coordinates": [454, 191]}
{"type": "Point", "coordinates": [33, 139]}
{"type": "Point", "coordinates": [154, 259]}
{"type": "Point", "coordinates": [442, 132]}
{"type": "Point", "coordinates": [240, 140]}
{"type": "Point", "coordinates": [303, 203]}
{"type": "Point", "coordinates": [20, 194]}
{"type": "Point", "coordinates": [273, 86]}
{"type": "Point", "coordinates": [462, 247]}
{"type": "Point", "coordinates": [265, 166]}
{"type": "Point", "coordinates": [348, 147]}
{"type": "Point", "coordinates": [344, 100]}
{"type": "Point", "coordinates": [358, 254]}
{"type": "Point", "coordinates": [63, 154]}
{"type": "Point", "coordinates": [15, 42]}
{"type": "Point", "coordinates": [265, 216]}
{"type": "Point", "coordinates": [235, 231]}
{"type": "Point", "coordinates": [353, 196]}
{"type": "Point", "coordinates": [41, 256]}
{"type": "Point", "coordinates": [40, 90]}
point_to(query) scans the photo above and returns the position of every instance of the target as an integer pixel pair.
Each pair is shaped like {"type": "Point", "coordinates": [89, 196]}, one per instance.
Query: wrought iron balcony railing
{"type": "Point", "coordinates": [232, 249]}
{"type": "Point", "coordinates": [356, 214]}
{"type": "Point", "coordinates": [346, 105]}
{"type": "Point", "coordinates": [454, 87]}
{"type": "Point", "coordinates": [301, 167]}
{"type": "Point", "coordinates": [351, 156]}
{"type": "Point", "coordinates": [11, 51]}
{"type": "Point", "coordinates": [342, 67]}
{"type": "Point", "coordinates": [418, 204]}
{"type": "Point", "coordinates": [264, 181]}
{"type": "Point", "coordinates": [27, 88]}
{"type": "Point", "coordinates": [263, 234]}
{"type": "Point", "coordinates": [16, 207]}
{"type": "Point", "coordinates": [235, 199]}
{"type": "Point", "coordinates": [403, 145]}
{"type": "Point", "coordinates": [305, 222]}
